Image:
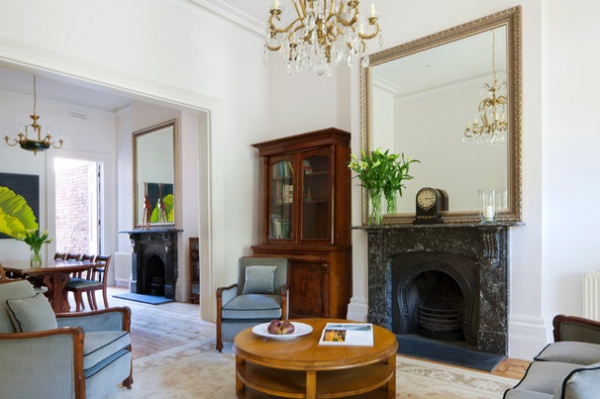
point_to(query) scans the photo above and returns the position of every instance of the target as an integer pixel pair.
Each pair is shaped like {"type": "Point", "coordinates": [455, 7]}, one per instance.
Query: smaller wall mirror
{"type": "Point", "coordinates": [155, 176]}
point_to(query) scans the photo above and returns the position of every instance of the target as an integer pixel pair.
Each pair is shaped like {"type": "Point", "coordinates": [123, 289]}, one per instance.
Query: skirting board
{"type": "Point", "coordinates": [527, 336]}
{"type": "Point", "coordinates": [121, 283]}
{"type": "Point", "coordinates": [357, 311]}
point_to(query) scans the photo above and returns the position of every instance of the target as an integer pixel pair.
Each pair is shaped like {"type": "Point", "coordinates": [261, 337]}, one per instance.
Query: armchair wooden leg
{"type": "Point", "coordinates": [127, 382]}
{"type": "Point", "coordinates": [219, 346]}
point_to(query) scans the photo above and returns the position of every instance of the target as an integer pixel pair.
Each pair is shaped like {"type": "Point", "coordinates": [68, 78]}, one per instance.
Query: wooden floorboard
{"type": "Point", "coordinates": [156, 328]}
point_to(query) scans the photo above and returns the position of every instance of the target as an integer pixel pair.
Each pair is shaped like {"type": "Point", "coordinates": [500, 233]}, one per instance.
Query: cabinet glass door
{"type": "Point", "coordinates": [316, 195]}
{"type": "Point", "coordinates": [282, 200]}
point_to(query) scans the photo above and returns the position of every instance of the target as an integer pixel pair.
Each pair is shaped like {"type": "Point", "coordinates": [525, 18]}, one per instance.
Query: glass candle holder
{"type": "Point", "coordinates": [487, 205]}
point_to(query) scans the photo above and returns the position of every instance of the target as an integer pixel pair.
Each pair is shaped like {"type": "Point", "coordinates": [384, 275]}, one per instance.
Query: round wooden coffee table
{"type": "Point", "coordinates": [300, 368]}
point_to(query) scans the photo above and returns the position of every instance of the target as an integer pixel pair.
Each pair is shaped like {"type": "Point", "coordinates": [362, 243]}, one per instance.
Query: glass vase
{"type": "Point", "coordinates": [375, 216]}
{"type": "Point", "coordinates": [390, 199]}
{"type": "Point", "coordinates": [35, 260]}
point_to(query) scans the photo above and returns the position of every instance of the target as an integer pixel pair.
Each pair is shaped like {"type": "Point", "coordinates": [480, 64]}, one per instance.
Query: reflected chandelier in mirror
{"type": "Point", "coordinates": [417, 97]}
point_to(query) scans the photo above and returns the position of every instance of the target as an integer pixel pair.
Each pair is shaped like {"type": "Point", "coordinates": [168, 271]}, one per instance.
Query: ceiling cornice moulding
{"type": "Point", "coordinates": [37, 59]}
{"type": "Point", "coordinates": [225, 11]}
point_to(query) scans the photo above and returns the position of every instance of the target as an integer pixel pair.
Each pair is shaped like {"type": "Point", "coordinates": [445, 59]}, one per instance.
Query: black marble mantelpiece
{"type": "Point", "coordinates": [154, 260]}
{"type": "Point", "coordinates": [486, 244]}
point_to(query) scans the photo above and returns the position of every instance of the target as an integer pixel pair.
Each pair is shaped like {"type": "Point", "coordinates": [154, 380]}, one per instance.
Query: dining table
{"type": "Point", "coordinates": [54, 273]}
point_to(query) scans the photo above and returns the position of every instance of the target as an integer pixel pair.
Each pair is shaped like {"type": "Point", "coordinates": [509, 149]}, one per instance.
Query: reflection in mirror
{"type": "Point", "coordinates": [155, 175]}
{"type": "Point", "coordinates": [418, 98]}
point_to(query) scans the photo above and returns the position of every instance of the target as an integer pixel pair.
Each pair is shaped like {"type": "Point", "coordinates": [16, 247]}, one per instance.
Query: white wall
{"type": "Point", "coordinates": [402, 22]}
{"type": "Point", "coordinates": [571, 164]}
{"type": "Point", "coordinates": [172, 52]}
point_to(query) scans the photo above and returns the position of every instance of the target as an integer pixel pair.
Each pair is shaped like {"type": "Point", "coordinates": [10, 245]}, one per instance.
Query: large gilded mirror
{"type": "Point", "coordinates": [419, 97]}
{"type": "Point", "coordinates": [155, 175]}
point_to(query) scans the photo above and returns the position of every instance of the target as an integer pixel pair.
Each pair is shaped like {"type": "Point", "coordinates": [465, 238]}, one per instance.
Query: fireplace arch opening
{"type": "Point", "coordinates": [435, 296]}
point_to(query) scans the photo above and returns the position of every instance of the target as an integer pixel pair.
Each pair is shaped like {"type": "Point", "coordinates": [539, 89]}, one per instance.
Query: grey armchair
{"type": "Point", "coordinates": [259, 296]}
{"type": "Point", "coordinates": [82, 355]}
{"type": "Point", "coordinates": [567, 368]}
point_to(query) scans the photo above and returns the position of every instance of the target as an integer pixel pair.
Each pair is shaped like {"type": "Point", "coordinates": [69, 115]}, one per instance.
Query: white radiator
{"type": "Point", "coordinates": [591, 295]}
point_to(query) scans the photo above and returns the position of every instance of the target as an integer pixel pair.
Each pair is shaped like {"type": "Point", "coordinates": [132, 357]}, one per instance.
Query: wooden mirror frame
{"type": "Point", "coordinates": [511, 19]}
{"type": "Point", "coordinates": [170, 157]}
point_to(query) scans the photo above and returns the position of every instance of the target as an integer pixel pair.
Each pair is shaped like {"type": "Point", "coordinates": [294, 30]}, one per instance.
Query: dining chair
{"type": "Point", "coordinates": [91, 284]}
{"type": "Point", "coordinates": [77, 278]}
{"type": "Point", "coordinates": [60, 256]}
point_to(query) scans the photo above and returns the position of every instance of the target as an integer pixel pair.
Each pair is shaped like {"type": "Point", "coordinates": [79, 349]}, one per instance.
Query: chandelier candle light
{"type": "Point", "coordinates": [491, 111]}
{"type": "Point", "coordinates": [323, 32]}
{"type": "Point", "coordinates": [33, 144]}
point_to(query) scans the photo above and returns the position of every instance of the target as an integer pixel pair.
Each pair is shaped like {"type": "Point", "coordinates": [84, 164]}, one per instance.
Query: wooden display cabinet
{"type": "Point", "coordinates": [307, 218]}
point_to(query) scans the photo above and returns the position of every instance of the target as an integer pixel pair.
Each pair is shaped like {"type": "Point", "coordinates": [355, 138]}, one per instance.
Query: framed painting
{"type": "Point", "coordinates": [27, 186]}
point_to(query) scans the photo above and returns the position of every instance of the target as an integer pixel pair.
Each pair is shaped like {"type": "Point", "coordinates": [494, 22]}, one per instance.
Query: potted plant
{"type": "Point", "coordinates": [35, 240]}
{"type": "Point", "coordinates": [398, 173]}
{"type": "Point", "coordinates": [381, 173]}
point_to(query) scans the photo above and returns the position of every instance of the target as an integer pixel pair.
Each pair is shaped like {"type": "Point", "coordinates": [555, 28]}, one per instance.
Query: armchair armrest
{"type": "Point", "coordinates": [284, 302]}
{"type": "Point", "coordinates": [117, 318]}
{"type": "Point", "coordinates": [226, 294]}
{"type": "Point", "coordinates": [42, 364]}
{"type": "Point", "coordinates": [571, 328]}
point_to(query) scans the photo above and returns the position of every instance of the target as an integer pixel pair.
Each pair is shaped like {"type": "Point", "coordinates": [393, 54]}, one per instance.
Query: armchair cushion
{"type": "Point", "coordinates": [31, 314]}
{"type": "Point", "coordinates": [12, 290]}
{"type": "Point", "coordinates": [100, 345]}
{"type": "Point", "coordinates": [581, 383]}
{"type": "Point", "coordinates": [571, 352]}
{"type": "Point", "coordinates": [542, 377]}
{"type": "Point", "coordinates": [259, 280]}
{"type": "Point", "coordinates": [253, 307]}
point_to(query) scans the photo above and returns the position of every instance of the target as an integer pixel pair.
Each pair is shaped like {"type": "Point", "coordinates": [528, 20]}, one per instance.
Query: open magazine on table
{"type": "Point", "coordinates": [347, 334]}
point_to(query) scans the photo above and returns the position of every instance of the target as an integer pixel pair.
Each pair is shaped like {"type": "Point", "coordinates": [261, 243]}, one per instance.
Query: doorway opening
{"type": "Point", "coordinates": [78, 213]}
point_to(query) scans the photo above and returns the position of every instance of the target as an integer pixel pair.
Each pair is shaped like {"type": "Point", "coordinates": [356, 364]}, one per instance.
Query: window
{"type": "Point", "coordinates": [78, 186]}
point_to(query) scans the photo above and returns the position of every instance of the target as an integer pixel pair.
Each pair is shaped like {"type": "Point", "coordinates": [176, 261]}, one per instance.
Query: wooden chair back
{"type": "Point", "coordinates": [86, 258]}
{"type": "Point", "coordinates": [60, 256]}
{"type": "Point", "coordinates": [73, 257]}
{"type": "Point", "coordinates": [101, 269]}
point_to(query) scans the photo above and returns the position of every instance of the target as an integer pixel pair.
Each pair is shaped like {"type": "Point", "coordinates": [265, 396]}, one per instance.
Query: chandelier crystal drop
{"type": "Point", "coordinates": [320, 33]}
{"type": "Point", "coordinates": [490, 123]}
{"type": "Point", "coordinates": [31, 140]}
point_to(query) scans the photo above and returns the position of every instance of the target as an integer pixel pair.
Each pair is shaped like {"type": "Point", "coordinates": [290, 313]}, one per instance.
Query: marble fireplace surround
{"type": "Point", "coordinates": [154, 268]}
{"type": "Point", "coordinates": [485, 245]}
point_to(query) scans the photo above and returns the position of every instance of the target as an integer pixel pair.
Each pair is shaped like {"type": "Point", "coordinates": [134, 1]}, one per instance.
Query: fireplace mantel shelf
{"type": "Point", "coordinates": [151, 231]}
{"type": "Point", "coordinates": [374, 227]}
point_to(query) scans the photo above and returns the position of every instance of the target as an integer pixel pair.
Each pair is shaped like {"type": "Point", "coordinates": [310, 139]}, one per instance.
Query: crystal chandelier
{"type": "Point", "coordinates": [492, 125]}
{"type": "Point", "coordinates": [322, 32]}
{"type": "Point", "coordinates": [36, 143]}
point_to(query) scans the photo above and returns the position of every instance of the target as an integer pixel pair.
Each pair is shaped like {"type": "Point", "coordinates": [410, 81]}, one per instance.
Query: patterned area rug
{"type": "Point", "coordinates": [199, 371]}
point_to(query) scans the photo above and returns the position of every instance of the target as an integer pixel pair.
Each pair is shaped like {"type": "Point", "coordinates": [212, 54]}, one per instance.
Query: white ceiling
{"type": "Point", "coordinates": [76, 92]}
{"type": "Point", "coordinates": [73, 91]}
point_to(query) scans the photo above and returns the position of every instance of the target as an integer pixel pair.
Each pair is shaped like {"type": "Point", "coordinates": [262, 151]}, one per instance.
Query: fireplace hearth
{"type": "Point", "coordinates": [446, 282]}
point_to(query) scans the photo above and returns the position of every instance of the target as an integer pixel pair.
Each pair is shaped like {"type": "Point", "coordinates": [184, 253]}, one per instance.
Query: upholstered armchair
{"type": "Point", "coordinates": [259, 296]}
{"type": "Point", "coordinates": [78, 355]}
{"type": "Point", "coordinates": [568, 368]}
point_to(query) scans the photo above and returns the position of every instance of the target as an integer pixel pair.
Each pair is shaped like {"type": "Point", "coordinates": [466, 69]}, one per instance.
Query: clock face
{"type": "Point", "coordinates": [426, 199]}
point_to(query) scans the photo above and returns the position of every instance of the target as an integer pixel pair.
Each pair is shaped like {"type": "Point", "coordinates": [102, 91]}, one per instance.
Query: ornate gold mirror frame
{"type": "Point", "coordinates": [505, 23]}
{"type": "Point", "coordinates": [156, 176]}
